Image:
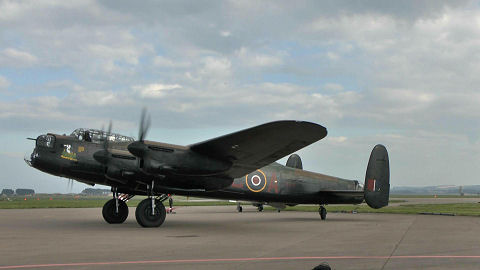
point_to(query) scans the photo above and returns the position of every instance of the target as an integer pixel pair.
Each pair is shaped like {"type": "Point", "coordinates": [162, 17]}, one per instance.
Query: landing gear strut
{"type": "Point", "coordinates": [151, 212]}
{"type": "Point", "coordinates": [323, 212]}
{"type": "Point", "coordinates": [115, 211]}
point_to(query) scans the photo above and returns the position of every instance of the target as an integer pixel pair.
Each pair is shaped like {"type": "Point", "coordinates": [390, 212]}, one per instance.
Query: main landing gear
{"type": "Point", "coordinates": [115, 211]}
{"type": "Point", "coordinates": [149, 213]}
{"type": "Point", "coordinates": [323, 212]}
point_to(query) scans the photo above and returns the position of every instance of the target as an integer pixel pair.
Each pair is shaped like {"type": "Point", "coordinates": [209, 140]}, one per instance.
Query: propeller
{"type": "Point", "coordinates": [110, 169]}
{"type": "Point", "coordinates": [138, 148]}
{"type": "Point", "coordinates": [102, 156]}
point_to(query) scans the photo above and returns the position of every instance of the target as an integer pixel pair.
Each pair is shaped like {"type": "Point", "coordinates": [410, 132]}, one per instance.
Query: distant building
{"type": "Point", "coordinates": [96, 192]}
{"type": "Point", "coordinates": [24, 191]}
{"type": "Point", "coordinates": [7, 192]}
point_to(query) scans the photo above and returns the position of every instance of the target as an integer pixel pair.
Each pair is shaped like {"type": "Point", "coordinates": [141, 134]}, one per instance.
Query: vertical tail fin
{"type": "Point", "coordinates": [377, 178]}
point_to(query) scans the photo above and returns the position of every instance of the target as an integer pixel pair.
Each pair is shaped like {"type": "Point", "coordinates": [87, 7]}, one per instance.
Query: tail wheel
{"type": "Point", "coordinates": [110, 213]}
{"type": "Point", "coordinates": [144, 216]}
{"type": "Point", "coordinates": [323, 212]}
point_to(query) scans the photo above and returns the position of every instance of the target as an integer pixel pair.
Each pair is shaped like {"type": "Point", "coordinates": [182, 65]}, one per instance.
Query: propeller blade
{"type": "Point", "coordinates": [105, 140]}
{"type": "Point", "coordinates": [105, 143]}
{"type": "Point", "coordinates": [70, 185]}
{"type": "Point", "coordinates": [147, 126]}
{"type": "Point", "coordinates": [144, 125]}
{"type": "Point", "coordinates": [109, 127]}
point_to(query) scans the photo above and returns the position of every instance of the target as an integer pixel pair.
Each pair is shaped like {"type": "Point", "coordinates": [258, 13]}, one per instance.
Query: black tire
{"type": "Point", "coordinates": [260, 208]}
{"type": "Point", "coordinates": [240, 209]}
{"type": "Point", "coordinates": [109, 214]}
{"type": "Point", "coordinates": [144, 216]}
{"type": "Point", "coordinates": [323, 213]}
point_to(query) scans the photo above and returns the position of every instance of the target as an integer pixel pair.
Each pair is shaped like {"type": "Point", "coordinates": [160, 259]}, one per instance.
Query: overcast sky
{"type": "Point", "coordinates": [405, 74]}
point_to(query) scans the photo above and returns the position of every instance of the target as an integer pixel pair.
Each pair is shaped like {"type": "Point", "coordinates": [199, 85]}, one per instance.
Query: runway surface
{"type": "Point", "coordinates": [220, 238]}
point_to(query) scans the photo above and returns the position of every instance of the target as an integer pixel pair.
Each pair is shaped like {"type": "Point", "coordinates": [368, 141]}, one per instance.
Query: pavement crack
{"type": "Point", "coordinates": [399, 242]}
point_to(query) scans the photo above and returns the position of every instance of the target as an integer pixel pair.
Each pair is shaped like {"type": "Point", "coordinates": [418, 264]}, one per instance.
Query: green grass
{"type": "Point", "coordinates": [432, 196]}
{"type": "Point", "coordinates": [459, 209]}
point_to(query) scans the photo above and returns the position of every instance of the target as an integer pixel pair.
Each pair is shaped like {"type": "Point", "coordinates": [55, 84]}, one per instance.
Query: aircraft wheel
{"type": "Point", "coordinates": [110, 215]}
{"type": "Point", "coordinates": [323, 212]}
{"type": "Point", "coordinates": [144, 216]}
{"type": "Point", "coordinates": [260, 208]}
{"type": "Point", "coordinates": [239, 209]}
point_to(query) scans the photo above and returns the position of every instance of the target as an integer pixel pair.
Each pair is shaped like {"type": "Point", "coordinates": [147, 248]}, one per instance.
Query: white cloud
{"type": "Point", "coordinates": [340, 139]}
{"type": "Point", "coordinates": [257, 60]}
{"type": "Point", "coordinates": [332, 56]}
{"type": "Point", "coordinates": [12, 57]}
{"type": "Point", "coordinates": [225, 33]}
{"type": "Point", "coordinates": [97, 98]}
{"type": "Point", "coordinates": [128, 54]}
{"type": "Point", "coordinates": [162, 61]}
{"type": "Point", "coordinates": [216, 65]}
{"type": "Point", "coordinates": [4, 83]}
{"type": "Point", "coordinates": [155, 90]}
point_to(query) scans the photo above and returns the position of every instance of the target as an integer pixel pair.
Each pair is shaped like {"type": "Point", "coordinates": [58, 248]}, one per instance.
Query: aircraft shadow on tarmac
{"type": "Point", "coordinates": [206, 224]}
{"type": "Point", "coordinates": [315, 219]}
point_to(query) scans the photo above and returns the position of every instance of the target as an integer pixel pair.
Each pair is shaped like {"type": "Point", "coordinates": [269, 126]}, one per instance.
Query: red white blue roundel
{"type": "Point", "coordinates": [256, 181]}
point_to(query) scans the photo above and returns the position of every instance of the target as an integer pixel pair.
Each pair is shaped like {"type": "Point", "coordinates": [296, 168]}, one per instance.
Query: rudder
{"type": "Point", "coordinates": [377, 178]}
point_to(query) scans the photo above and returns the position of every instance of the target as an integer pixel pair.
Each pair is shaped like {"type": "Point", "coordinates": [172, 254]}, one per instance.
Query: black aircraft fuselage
{"type": "Point", "coordinates": [240, 166]}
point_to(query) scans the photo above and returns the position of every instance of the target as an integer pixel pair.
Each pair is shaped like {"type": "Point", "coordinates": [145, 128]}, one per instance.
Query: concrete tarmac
{"type": "Point", "coordinates": [220, 238]}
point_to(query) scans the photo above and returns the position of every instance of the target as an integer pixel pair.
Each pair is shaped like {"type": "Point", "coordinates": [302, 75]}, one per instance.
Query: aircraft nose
{"type": "Point", "coordinates": [30, 158]}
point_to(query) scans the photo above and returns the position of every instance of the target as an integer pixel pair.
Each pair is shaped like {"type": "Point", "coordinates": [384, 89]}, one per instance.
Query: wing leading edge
{"type": "Point", "coordinates": [256, 147]}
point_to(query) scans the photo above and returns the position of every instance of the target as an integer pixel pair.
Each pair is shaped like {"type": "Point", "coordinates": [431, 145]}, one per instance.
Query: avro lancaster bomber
{"type": "Point", "coordinates": [239, 166]}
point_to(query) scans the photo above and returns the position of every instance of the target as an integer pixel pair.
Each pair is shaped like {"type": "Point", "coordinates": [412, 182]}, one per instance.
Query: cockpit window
{"type": "Point", "coordinates": [98, 136]}
{"type": "Point", "coordinates": [47, 141]}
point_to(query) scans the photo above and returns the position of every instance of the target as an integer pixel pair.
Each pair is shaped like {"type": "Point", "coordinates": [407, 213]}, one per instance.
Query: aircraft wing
{"type": "Point", "coordinates": [256, 147]}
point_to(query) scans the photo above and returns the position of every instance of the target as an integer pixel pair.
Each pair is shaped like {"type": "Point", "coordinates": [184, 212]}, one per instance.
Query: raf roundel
{"type": "Point", "coordinates": [256, 181]}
